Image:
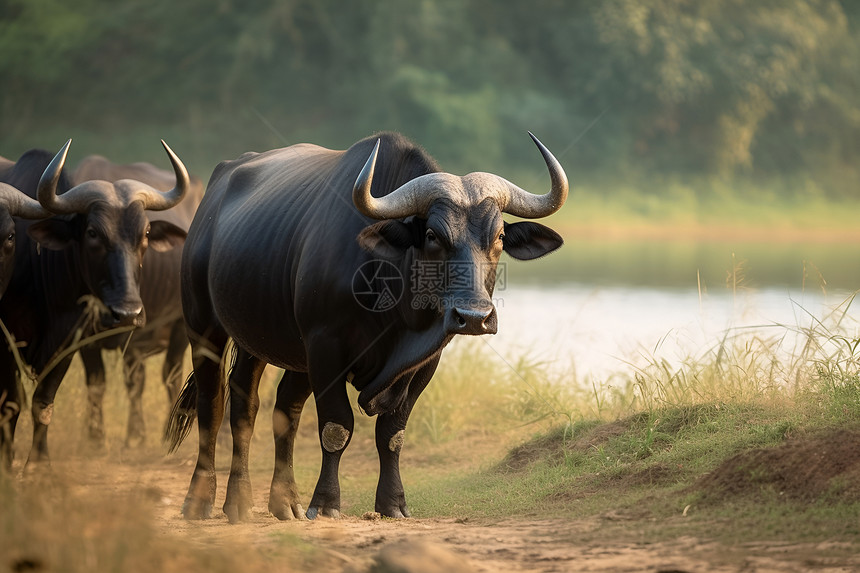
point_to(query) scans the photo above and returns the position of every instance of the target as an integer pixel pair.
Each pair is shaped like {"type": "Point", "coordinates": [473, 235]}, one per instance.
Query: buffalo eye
{"type": "Point", "coordinates": [430, 236]}
{"type": "Point", "coordinates": [501, 236]}
{"type": "Point", "coordinates": [92, 234]}
{"type": "Point", "coordinates": [11, 237]}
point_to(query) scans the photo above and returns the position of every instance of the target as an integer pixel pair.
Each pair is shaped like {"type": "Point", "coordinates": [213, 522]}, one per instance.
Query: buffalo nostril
{"type": "Point", "coordinates": [122, 316]}
{"type": "Point", "coordinates": [471, 321]}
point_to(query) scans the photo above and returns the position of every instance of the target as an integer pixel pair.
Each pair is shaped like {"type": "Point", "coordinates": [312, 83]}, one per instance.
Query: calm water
{"type": "Point", "coordinates": [601, 306]}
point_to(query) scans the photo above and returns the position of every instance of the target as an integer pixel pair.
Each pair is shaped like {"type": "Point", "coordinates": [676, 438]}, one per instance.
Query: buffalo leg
{"type": "Point", "coordinates": [210, 411]}
{"type": "Point", "coordinates": [43, 409]}
{"type": "Point", "coordinates": [390, 428]}
{"type": "Point", "coordinates": [244, 404]}
{"type": "Point", "coordinates": [293, 392]}
{"type": "Point", "coordinates": [171, 372]}
{"type": "Point", "coordinates": [135, 379]}
{"type": "Point", "coordinates": [10, 408]}
{"type": "Point", "coordinates": [335, 427]}
{"type": "Point", "coordinates": [95, 372]}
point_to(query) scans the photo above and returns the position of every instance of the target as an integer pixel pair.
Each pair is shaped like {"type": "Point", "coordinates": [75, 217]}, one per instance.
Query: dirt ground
{"type": "Point", "coordinates": [613, 541]}
{"type": "Point", "coordinates": [365, 544]}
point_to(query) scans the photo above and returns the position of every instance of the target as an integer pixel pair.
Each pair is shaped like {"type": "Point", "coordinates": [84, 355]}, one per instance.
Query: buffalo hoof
{"type": "Point", "coordinates": [237, 513]}
{"type": "Point", "coordinates": [195, 508]}
{"type": "Point", "coordinates": [135, 442]}
{"type": "Point", "coordinates": [286, 511]}
{"type": "Point", "coordinates": [35, 469]}
{"type": "Point", "coordinates": [238, 503]}
{"type": "Point", "coordinates": [396, 512]}
{"type": "Point", "coordinates": [313, 511]}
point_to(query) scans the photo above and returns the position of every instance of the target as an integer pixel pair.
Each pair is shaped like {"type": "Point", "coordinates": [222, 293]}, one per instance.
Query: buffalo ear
{"type": "Point", "coordinates": [164, 236]}
{"type": "Point", "coordinates": [53, 234]}
{"type": "Point", "coordinates": [387, 239]}
{"type": "Point", "coordinates": [527, 240]}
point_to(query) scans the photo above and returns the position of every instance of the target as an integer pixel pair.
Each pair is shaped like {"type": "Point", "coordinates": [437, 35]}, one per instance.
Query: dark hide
{"type": "Point", "coordinates": [272, 261]}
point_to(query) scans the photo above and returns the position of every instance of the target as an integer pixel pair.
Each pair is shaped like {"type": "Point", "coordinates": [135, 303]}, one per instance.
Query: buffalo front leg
{"type": "Point", "coordinates": [390, 432]}
{"type": "Point", "coordinates": [95, 371]}
{"type": "Point", "coordinates": [10, 409]}
{"type": "Point", "coordinates": [135, 379]}
{"type": "Point", "coordinates": [293, 392]}
{"type": "Point", "coordinates": [328, 382]}
{"type": "Point", "coordinates": [210, 412]}
{"type": "Point", "coordinates": [244, 404]}
{"type": "Point", "coordinates": [42, 409]}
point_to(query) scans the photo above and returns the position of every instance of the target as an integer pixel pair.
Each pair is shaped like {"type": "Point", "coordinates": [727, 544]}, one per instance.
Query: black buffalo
{"type": "Point", "coordinates": [13, 204]}
{"type": "Point", "coordinates": [159, 290]}
{"type": "Point", "coordinates": [91, 251]}
{"type": "Point", "coordinates": [280, 258]}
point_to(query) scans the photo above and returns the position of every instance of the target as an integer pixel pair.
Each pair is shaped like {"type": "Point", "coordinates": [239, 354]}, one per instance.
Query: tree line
{"type": "Point", "coordinates": [639, 90]}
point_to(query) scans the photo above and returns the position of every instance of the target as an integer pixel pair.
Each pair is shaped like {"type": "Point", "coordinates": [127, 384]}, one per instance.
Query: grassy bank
{"type": "Point", "coordinates": [744, 441]}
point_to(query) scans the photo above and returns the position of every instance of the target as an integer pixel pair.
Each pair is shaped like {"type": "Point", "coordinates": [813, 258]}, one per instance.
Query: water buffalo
{"type": "Point", "coordinates": [91, 251]}
{"type": "Point", "coordinates": [13, 203]}
{"type": "Point", "coordinates": [159, 290]}
{"type": "Point", "coordinates": [283, 257]}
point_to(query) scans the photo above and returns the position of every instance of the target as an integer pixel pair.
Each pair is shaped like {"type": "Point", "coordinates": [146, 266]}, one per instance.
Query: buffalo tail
{"type": "Point", "coordinates": [182, 415]}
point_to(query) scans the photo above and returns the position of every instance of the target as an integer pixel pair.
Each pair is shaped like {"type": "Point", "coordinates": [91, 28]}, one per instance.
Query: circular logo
{"type": "Point", "coordinates": [377, 285]}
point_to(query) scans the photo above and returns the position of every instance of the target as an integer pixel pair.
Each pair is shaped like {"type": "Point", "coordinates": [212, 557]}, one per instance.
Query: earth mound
{"type": "Point", "coordinates": [819, 468]}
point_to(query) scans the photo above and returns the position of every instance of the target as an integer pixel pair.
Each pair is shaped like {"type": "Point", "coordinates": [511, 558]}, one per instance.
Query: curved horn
{"type": "Point", "coordinates": [411, 198]}
{"type": "Point", "coordinates": [77, 199]}
{"type": "Point", "coordinates": [521, 203]}
{"type": "Point", "coordinates": [46, 192]}
{"type": "Point", "coordinates": [20, 205]}
{"type": "Point", "coordinates": [158, 201]}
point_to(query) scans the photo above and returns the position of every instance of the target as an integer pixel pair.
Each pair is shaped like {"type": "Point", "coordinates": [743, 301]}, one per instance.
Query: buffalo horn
{"type": "Point", "coordinates": [415, 196]}
{"type": "Point", "coordinates": [156, 200]}
{"type": "Point", "coordinates": [79, 198]}
{"type": "Point", "coordinates": [411, 198]}
{"type": "Point", "coordinates": [20, 205]}
{"type": "Point", "coordinates": [521, 203]}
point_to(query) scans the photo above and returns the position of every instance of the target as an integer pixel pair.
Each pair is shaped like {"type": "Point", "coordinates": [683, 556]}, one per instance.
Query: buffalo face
{"type": "Point", "coordinates": [110, 243]}
{"type": "Point", "coordinates": [452, 257]}
{"type": "Point", "coordinates": [13, 203]}
{"type": "Point", "coordinates": [7, 249]}
{"type": "Point", "coordinates": [449, 233]}
{"type": "Point", "coordinates": [110, 231]}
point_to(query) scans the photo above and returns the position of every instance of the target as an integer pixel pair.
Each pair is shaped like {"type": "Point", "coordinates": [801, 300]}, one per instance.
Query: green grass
{"type": "Point", "coordinates": [496, 438]}
{"type": "Point", "coordinates": [639, 448]}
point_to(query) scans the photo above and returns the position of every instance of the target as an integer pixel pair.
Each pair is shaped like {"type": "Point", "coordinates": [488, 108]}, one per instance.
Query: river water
{"type": "Point", "coordinates": [601, 309]}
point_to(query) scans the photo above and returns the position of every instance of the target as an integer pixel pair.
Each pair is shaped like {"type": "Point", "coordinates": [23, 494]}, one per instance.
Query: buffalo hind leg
{"type": "Point", "coordinates": [293, 392]}
{"type": "Point", "coordinates": [96, 385]}
{"type": "Point", "coordinates": [244, 404]}
{"type": "Point", "coordinates": [210, 411]}
{"type": "Point", "coordinates": [42, 409]}
{"type": "Point", "coordinates": [135, 379]}
{"type": "Point", "coordinates": [390, 430]}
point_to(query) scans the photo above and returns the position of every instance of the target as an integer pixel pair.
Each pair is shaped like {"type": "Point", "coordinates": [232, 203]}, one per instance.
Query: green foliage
{"type": "Point", "coordinates": [624, 91]}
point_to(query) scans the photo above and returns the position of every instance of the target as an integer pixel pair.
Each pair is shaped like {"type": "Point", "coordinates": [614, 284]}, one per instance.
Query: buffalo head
{"type": "Point", "coordinates": [13, 203]}
{"type": "Point", "coordinates": [110, 231]}
{"type": "Point", "coordinates": [449, 232]}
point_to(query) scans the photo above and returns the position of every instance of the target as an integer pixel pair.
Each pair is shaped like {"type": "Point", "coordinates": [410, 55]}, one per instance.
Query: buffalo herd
{"type": "Point", "coordinates": [316, 261]}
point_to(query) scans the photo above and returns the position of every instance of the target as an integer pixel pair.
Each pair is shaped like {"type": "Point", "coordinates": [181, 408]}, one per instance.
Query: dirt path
{"type": "Point", "coordinates": [448, 545]}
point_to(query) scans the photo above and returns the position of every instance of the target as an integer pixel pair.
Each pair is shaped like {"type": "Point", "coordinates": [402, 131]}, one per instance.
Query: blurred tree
{"type": "Point", "coordinates": [625, 89]}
